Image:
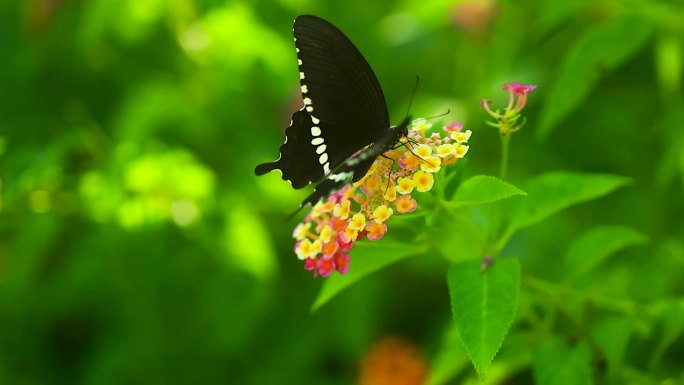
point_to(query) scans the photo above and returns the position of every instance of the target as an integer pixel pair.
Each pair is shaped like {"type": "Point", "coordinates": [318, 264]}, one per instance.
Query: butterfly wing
{"type": "Point", "coordinates": [300, 157]}
{"type": "Point", "coordinates": [344, 107]}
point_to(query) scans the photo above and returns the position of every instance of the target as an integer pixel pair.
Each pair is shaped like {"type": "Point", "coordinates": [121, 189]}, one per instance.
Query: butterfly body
{"type": "Point", "coordinates": [344, 124]}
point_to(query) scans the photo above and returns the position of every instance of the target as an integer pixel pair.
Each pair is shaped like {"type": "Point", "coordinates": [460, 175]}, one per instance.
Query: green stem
{"type": "Point", "coordinates": [505, 140]}
{"type": "Point", "coordinates": [561, 294]}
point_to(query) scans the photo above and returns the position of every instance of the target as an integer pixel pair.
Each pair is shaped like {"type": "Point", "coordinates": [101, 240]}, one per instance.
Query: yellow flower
{"type": "Point", "coordinates": [461, 136]}
{"type": "Point", "coordinates": [431, 164]}
{"type": "Point", "coordinates": [372, 183]}
{"type": "Point", "coordinates": [351, 234]}
{"type": "Point", "coordinates": [342, 210]}
{"type": "Point", "coordinates": [423, 151]}
{"type": "Point", "coordinates": [382, 213]}
{"type": "Point", "coordinates": [405, 185]}
{"type": "Point", "coordinates": [317, 210]}
{"type": "Point", "coordinates": [358, 222]}
{"type": "Point", "coordinates": [423, 180]}
{"type": "Point", "coordinates": [461, 150]}
{"type": "Point", "coordinates": [326, 234]}
{"type": "Point", "coordinates": [420, 125]}
{"type": "Point", "coordinates": [308, 249]}
{"type": "Point", "coordinates": [391, 194]}
{"type": "Point", "coordinates": [445, 150]}
{"type": "Point", "coordinates": [411, 161]}
{"type": "Point", "coordinates": [301, 230]}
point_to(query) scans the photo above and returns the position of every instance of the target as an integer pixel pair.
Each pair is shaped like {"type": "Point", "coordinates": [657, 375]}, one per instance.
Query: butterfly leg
{"type": "Point", "coordinates": [408, 146]}
{"type": "Point", "coordinates": [389, 177]}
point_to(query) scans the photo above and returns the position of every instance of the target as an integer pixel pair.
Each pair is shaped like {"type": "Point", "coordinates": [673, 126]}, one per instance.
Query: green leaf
{"type": "Point", "coordinates": [592, 247]}
{"type": "Point", "coordinates": [482, 189]}
{"type": "Point", "coordinates": [552, 192]}
{"type": "Point", "coordinates": [595, 54]}
{"type": "Point", "coordinates": [555, 363]}
{"type": "Point", "coordinates": [483, 306]}
{"type": "Point", "coordinates": [366, 258]}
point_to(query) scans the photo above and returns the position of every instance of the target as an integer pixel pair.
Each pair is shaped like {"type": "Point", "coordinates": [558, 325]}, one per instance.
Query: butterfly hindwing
{"type": "Point", "coordinates": [301, 161]}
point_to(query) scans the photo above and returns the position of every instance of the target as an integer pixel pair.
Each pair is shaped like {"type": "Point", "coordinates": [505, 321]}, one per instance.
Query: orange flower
{"type": "Point", "coordinates": [393, 361]}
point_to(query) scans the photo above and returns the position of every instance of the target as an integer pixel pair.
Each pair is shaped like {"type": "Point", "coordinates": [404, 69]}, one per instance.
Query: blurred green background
{"type": "Point", "coordinates": [136, 246]}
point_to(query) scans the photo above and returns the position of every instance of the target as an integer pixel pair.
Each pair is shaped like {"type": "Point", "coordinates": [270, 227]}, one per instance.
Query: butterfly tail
{"type": "Point", "coordinates": [265, 167]}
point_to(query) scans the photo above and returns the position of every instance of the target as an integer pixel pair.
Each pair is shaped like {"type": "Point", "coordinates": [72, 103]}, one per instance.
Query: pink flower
{"type": "Point", "coordinates": [507, 121]}
{"type": "Point", "coordinates": [312, 265]}
{"type": "Point", "coordinates": [376, 230]}
{"type": "Point", "coordinates": [405, 204]}
{"type": "Point", "coordinates": [342, 263]}
{"type": "Point", "coordinates": [453, 127]}
{"type": "Point", "coordinates": [326, 266]}
{"type": "Point", "coordinates": [518, 89]}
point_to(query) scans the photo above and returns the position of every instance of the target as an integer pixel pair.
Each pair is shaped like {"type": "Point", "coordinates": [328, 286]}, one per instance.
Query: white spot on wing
{"type": "Point", "coordinates": [304, 89]}
{"type": "Point", "coordinates": [301, 75]}
{"type": "Point", "coordinates": [323, 158]}
{"type": "Point", "coordinates": [326, 168]}
{"type": "Point", "coordinates": [317, 141]}
{"type": "Point", "coordinates": [320, 149]}
{"type": "Point", "coordinates": [316, 131]}
{"type": "Point", "coordinates": [315, 120]}
{"type": "Point", "coordinates": [341, 176]}
{"type": "Point", "coordinates": [307, 101]}
{"type": "Point", "coordinates": [299, 61]}
{"type": "Point", "coordinates": [309, 109]}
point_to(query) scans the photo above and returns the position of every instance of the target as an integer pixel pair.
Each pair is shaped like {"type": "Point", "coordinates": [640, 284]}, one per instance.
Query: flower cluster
{"type": "Point", "coordinates": [363, 209]}
{"type": "Point", "coordinates": [507, 121]}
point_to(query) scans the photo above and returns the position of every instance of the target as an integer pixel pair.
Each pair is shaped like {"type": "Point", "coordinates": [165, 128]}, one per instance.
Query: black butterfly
{"type": "Point", "coordinates": [344, 124]}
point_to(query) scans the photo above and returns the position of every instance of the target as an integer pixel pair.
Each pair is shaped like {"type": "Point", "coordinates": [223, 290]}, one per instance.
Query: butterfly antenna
{"type": "Point", "coordinates": [438, 116]}
{"type": "Point", "coordinates": [415, 88]}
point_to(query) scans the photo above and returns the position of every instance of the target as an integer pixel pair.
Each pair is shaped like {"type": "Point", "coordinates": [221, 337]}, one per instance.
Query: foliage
{"type": "Point", "coordinates": [136, 245]}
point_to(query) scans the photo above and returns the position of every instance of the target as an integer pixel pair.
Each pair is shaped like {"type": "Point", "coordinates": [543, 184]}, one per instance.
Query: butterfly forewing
{"type": "Point", "coordinates": [344, 110]}
{"type": "Point", "coordinates": [338, 81]}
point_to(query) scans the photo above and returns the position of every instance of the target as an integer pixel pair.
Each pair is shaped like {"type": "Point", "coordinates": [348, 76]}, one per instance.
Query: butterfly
{"type": "Point", "coordinates": [344, 124]}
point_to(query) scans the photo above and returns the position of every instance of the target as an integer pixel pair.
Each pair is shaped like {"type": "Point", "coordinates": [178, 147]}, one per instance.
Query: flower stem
{"type": "Point", "coordinates": [505, 140]}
